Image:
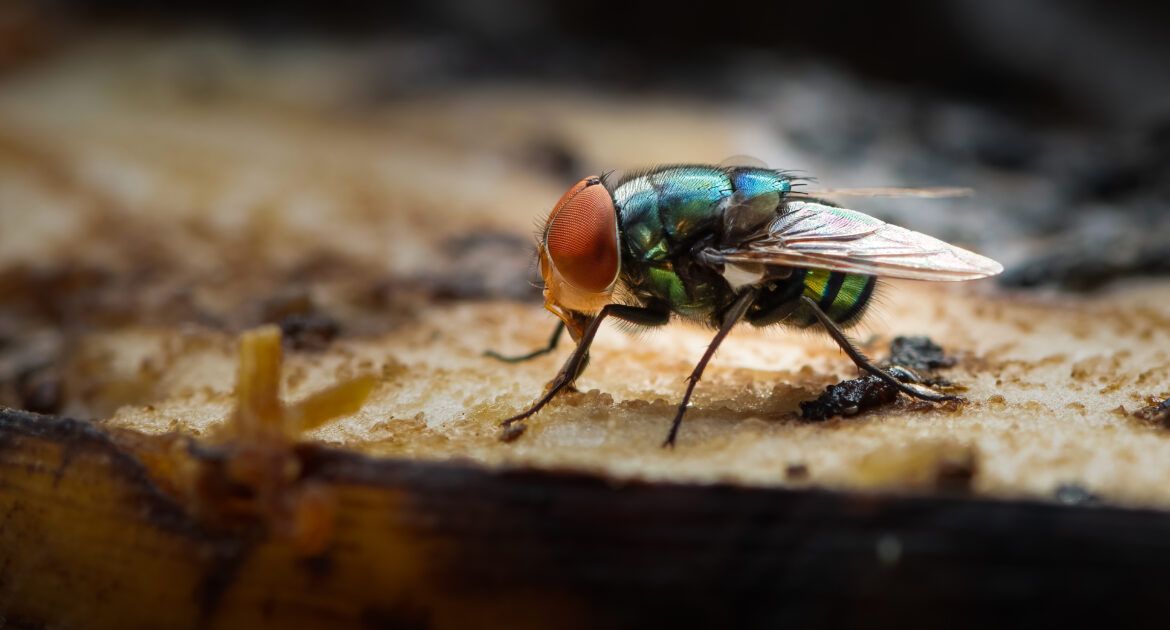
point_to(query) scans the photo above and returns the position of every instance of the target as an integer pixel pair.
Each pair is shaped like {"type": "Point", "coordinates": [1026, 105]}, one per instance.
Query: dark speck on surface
{"type": "Point", "coordinates": [41, 391]}
{"type": "Point", "coordinates": [309, 331]}
{"type": "Point", "coordinates": [285, 303]}
{"type": "Point", "coordinates": [1155, 414]}
{"type": "Point", "coordinates": [956, 474]}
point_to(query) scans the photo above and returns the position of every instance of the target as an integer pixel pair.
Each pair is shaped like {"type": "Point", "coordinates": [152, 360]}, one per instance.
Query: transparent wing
{"type": "Point", "coordinates": [743, 160]}
{"type": "Point", "coordinates": [817, 236]}
{"type": "Point", "coordinates": [942, 192]}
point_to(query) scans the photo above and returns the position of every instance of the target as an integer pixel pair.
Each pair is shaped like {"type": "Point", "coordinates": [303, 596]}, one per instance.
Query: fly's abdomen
{"type": "Point", "coordinates": [842, 296]}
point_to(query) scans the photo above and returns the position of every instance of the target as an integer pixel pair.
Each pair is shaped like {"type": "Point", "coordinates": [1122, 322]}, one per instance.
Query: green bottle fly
{"type": "Point", "coordinates": [719, 245]}
{"type": "Point", "coordinates": [665, 213]}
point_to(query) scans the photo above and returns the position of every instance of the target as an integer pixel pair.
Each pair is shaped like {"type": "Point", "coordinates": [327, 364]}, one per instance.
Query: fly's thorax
{"type": "Point", "coordinates": [667, 212]}
{"type": "Point", "coordinates": [663, 210]}
{"type": "Point", "coordinates": [691, 296]}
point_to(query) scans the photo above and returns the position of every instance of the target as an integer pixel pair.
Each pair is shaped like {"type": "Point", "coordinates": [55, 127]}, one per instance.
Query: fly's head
{"type": "Point", "coordinates": [579, 255]}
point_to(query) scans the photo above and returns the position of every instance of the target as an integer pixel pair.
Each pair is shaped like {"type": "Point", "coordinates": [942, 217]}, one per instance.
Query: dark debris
{"type": "Point", "coordinates": [309, 331]}
{"type": "Point", "coordinates": [909, 356]}
{"type": "Point", "coordinates": [1158, 414]}
{"type": "Point", "coordinates": [955, 474]}
{"type": "Point", "coordinates": [285, 303]}
{"type": "Point", "coordinates": [918, 353]}
{"type": "Point", "coordinates": [303, 324]}
{"type": "Point", "coordinates": [796, 472]}
{"type": "Point", "coordinates": [41, 391]}
{"type": "Point", "coordinates": [849, 398]}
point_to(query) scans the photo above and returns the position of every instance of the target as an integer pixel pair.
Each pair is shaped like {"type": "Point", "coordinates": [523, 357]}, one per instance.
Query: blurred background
{"type": "Point", "coordinates": [222, 164]}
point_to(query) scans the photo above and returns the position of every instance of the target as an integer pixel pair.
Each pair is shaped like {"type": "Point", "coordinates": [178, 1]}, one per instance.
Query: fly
{"type": "Point", "coordinates": [720, 245]}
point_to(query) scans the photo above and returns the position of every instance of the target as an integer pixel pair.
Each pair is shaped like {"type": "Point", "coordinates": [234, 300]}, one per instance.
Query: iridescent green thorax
{"type": "Point", "coordinates": [664, 210]}
{"type": "Point", "coordinates": [664, 213]}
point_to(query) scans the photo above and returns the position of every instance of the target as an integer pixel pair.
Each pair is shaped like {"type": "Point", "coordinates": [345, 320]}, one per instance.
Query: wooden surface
{"type": "Point", "coordinates": [443, 545]}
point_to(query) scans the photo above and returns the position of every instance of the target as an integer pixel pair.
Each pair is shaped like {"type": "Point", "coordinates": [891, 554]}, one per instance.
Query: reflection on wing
{"type": "Point", "coordinates": [817, 236]}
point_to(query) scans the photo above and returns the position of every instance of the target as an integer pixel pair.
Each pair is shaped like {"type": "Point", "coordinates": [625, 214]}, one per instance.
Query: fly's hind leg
{"type": "Point", "coordinates": [864, 364]}
{"type": "Point", "coordinates": [520, 358]}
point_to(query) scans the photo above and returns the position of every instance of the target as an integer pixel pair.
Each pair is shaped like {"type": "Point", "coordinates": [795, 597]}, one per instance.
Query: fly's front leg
{"type": "Point", "coordinates": [576, 362]}
{"type": "Point", "coordinates": [549, 347]}
{"type": "Point", "coordinates": [566, 381]}
{"type": "Point", "coordinates": [865, 364]}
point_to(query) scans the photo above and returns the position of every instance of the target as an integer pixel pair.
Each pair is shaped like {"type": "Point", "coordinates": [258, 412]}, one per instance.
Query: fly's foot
{"type": "Point", "coordinates": [506, 358]}
{"type": "Point", "coordinates": [520, 358]}
{"type": "Point", "coordinates": [929, 396]}
{"type": "Point", "coordinates": [512, 431]}
{"type": "Point", "coordinates": [915, 387]}
{"type": "Point", "coordinates": [514, 427]}
{"type": "Point", "coordinates": [669, 441]}
{"type": "Point", "coordinates": [570, 388]}
{"type": "Point", "coordinates": [672, 435]}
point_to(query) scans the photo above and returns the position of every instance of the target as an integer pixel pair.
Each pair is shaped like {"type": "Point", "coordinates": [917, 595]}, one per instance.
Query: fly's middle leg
{"type": "Point", "coordinates": [730, 319]}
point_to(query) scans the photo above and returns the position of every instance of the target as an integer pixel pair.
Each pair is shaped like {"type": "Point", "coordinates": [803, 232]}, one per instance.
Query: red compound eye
{"type": "Point", "coordinates": [582, 240]}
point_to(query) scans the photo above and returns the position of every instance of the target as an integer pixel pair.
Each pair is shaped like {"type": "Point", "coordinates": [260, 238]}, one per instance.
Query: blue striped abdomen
{"type": "Point", "coordinates": [842, 296]}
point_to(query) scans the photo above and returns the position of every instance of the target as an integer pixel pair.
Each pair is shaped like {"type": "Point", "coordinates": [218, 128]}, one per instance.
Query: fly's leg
{"type": "Point", "coordinates": [576, 361]}
{"type": "Point", "coordinates": [864, 363]}
{"type": "Point", "coordinates": [730, 319]}
{"type": "Point", "coordinates": [552, 345]}
{"type": "Point", "coordinates": [553, 340]}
